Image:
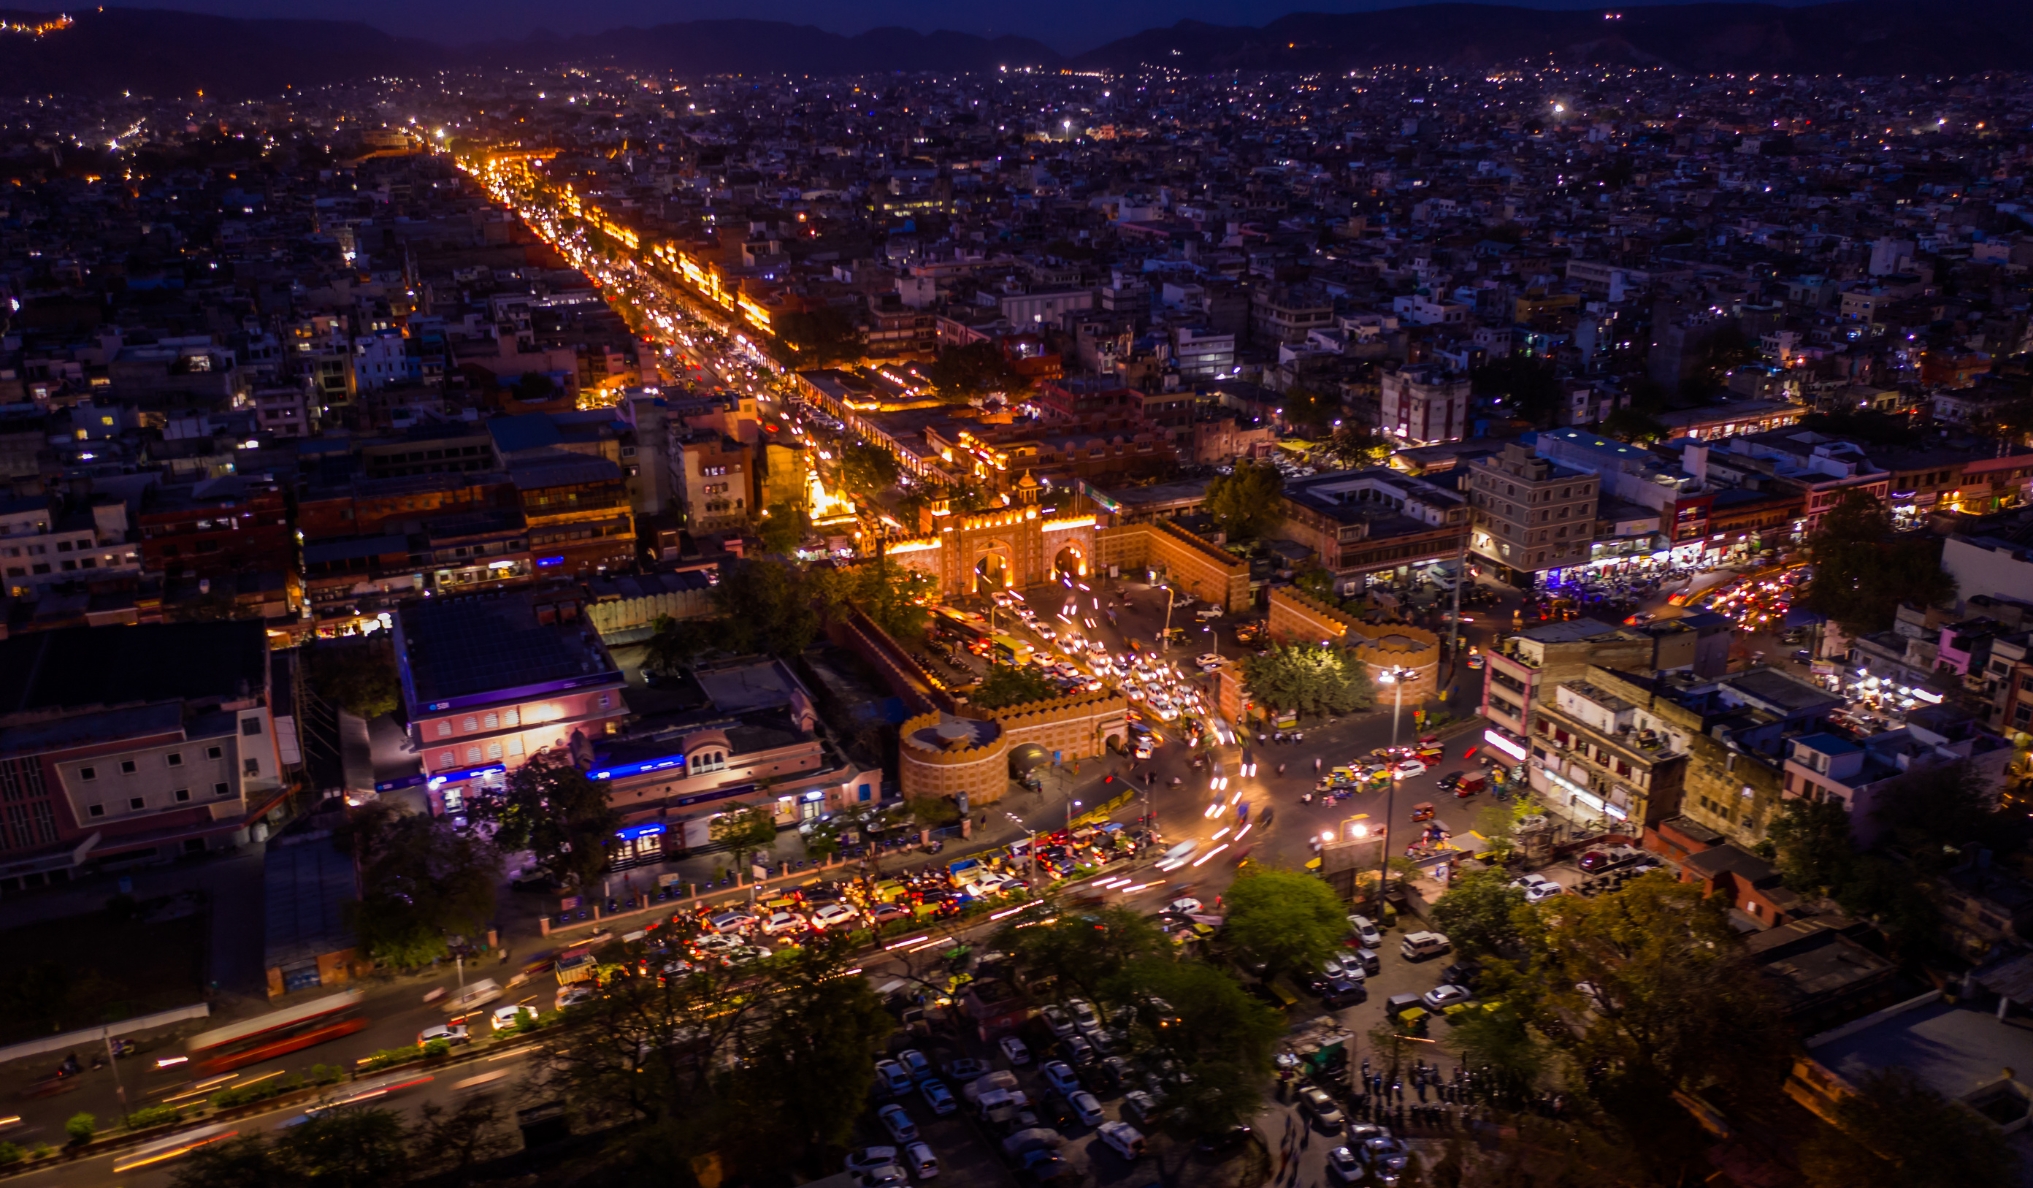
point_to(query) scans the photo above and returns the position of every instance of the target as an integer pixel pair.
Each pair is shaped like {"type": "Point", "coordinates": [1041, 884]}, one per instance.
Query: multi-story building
{"type": "Point", "coordinates": [1743, 723]}
{"type": "Point", "coordinates": [1855, 771]}
{"type": "Point", "coordinates": [216, 528]}
{"type": "Point", "coordinates": [40, 548]}
{"type": "Point", "coordinates": [577, 510]}
{"type": "Point", "coordinates": [490, 679]}
{"type": "Point", "coordinates": [135, 744]}
{"type": "Point", "coordinates": [1607, 756]}
{"type": "Point", "coordinates": [1529, 514]}
{"type": "Point", "coordinates": [1288, 314]}
{"type": "Point", "coordinates": [1364, 522]}
{"type": "Point", "coordinates": [1423, 404]}
{"type": "Point", "coordinates": [1521, 673]}
{"type": "Point", "coordinates": [711, 474]}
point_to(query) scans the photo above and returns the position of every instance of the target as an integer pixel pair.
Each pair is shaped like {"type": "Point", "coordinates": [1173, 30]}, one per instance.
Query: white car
{"type": "Point", "coordinates": [782, 922]}
{"type": "Point", "coordinates": [1439, 998]}
{"type": "Point", "coordinates": [1087, 1108]}
{"type": "Point", "coordinates": [833, 915]}
{"type": "Point", "coordinates": [570, 996]}
{"type": "Point", "coordinates": [1059, 1021]}
{"type": "Point", "coordinates": [1366, 931]}
{"type": "Point", "coordinates": [1407, 768]}
{"type": "Point", "coordinates": [1208, 662]}
{"type": "Point", "coordinates": [920, 1162]}
{"type": "Point", "coordinates": [1536, 887]}
{"type": "Point", "coordinates": [451, 1033]}
{"type": "Point", "coordinates": [1124, 1139]}
{"type": "Point", "coordinates": [512, 1015]}
{"type": "Point", "coordinates": [1184, 906]}
{"type": "Point", "coordinates": [1061, 1077]}
{"type": "Point", "coordinates": [895, 1120]}
{"type": "Point", "coordinates": [1013, 1050]}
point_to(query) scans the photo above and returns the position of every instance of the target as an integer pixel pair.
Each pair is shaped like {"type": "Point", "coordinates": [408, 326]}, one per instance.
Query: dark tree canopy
{"type": "Point", "coordinates": [1863, 569]}
{"type": "Point", "coordinates": [1247, 503]}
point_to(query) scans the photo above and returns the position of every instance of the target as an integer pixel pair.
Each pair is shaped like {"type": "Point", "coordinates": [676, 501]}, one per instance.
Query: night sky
{"type": "Point", "coordinates": [1066, 25]}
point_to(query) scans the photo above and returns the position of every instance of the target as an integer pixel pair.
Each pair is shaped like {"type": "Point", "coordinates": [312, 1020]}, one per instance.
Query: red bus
{"type": "Point", "coordinates": [265, 1037]}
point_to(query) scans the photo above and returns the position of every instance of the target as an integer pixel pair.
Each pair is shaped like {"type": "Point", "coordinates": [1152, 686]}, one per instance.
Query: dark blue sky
{"type": "Point", "coordinates": [1066, 25]}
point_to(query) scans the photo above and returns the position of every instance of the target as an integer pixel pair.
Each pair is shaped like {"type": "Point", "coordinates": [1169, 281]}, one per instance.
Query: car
{"type": "Point", "coordinates": [1184, 906]}
{"type": "Point", "coordinates": [1086, 1107]}
{"type": "Point", "coordinates": [922, 1164]}
{"type": "Point", "coordinates": [914, 1061]}
{"type": "Point", "coordinates": [1140, 1107]}
{"type": "Point", "coordinates": [1475, 660]}
{"type": "Point", "coordinates": [1608, 858]}
{"type": "Point", "coordinates": [1083, 1014]}
{"type": "Point", "coordinates": [1208, 661]}
{"type": "Point", "coordinates": [1461, 973]}
{"type": "Point", "coordinates": [892, 1077]}
{"type": "Point", "coordinates": [1371, 961]}
{"type": "Point", "coordinates": [938, 1097]}
{"type": "Point", "coordinates": [1366, 931]}
{"type": "Point", "coordinates": [885, 912]}
{"type": "Point", "coordinates": [511, 1016]}
{"type": "Point", "coordinates": [1417, 946]}
{"type": "Point", "coordinates": [889, 1175]}
{"type": "Point", "coordinates": [1061, 1077]}
{"type": "Point", "coordinates": [1058, 1020]}
{"type": "Point", "coordinates": [1802, 655]}
{"type": "Point", "coordinates": [1014, 1051]}
{"type": "Point", "coordinates": [1112, 1073]}
{"type": "Point", "coordinates": [1079, 1049]}
{"type": "Point", "coordinates": [897, 1123]}
{"type": "Point", "coordinates": [964, 1069]}
{"type": "Point", "coordinates": [833, 915]}
{"type": "Point", "coordinates": [1325, 1113]}
{"type": "Point", "coordinates": [1405, 769]}
{"type": "Point", "coordinates": [1385, 1153]}
{"type": "Point", "coordinates": [1536, 887]}
{"type": "Point", "coordinates": [1343, 1167]}
{"type": "Point", "coordinates": [1439, 998]}
{"type": "Point", "coordinates": [451, 1033]}
{"type": "Point", "coordinates": [571, 996]}
{"type": "Point", "coordinates": [1336, 993]}
{"type": "Point", "coordinates": [1449, 781]}
{"type": "Point", "coordinates": [870, 1158]}
{"type": "Point", "coordinates": [1122, 1138]}
{"type": "Point", "coordinates": [780, 923]}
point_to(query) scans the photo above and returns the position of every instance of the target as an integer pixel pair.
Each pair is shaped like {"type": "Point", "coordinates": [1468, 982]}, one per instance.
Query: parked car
{"type": "Point", "coordinates": [920, 1162]}
{"type": "Point", "coordinates": [1014, 1051]}
{"type": "Point", "coordinates": [1461, 973]}
{"type": "Point", "coordinates": [1122, 1138]}
{"type": "Point", "coordinates": [1061, 1077]}
{"type": "Point", "coordinates": [1086, 1108]}
{"type": "Point", "coordinates": [897, 1123]}
{"type": "Point", "coordinates": [892, 1077]}
{"type": "Point", "coordinates": [870, 1158]}
{"type": "Point", "coordinates": [939, 1097]}
{"type": "Point", "coordinates": [1058, 1020]}
{"type": "Point", "coordinates": [1325, 1113]}
{"type": "Point", "coordinates": [1439, 998]}
{"type": "Point", "coordinates": [1140, 1107]}
{"type": "Point", "coordinates": [1537, 887]}
{"type": "Point", "coordinates": [1417, 946]}
{"type": "Point", "coordinates": [964, 1069]}
{"type": "Point", "coordinates": [1366, 932]}
{"type": "Point", "coordinates": [914, 1061]}
{"type": "Point", "coordinates": [1343, 1167]}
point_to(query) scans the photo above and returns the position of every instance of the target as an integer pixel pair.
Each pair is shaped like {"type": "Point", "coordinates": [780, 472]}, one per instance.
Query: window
{"type": "Point", "coordinates": [250, 726]}
{"type": "Point", "coordinates": [444, 729]}
{"type": "Point", "coordinates": [254, 767]}
{"type": "Point", "coordinates": [97, 810]}
{"type": "Point", "coordinates": [515, 746]}
{"type": "Point", "coordinates": [472, 754]}
{"type": "Point", "coordinates": [493, 721]}
{"type": "Point", "coordinates": [127, 767]}
{"type": "Point", "coordinates": [136, 802]}
{"type": "Point", "coordinates": [88, 773]}
{"type": "Point", "coordinates": [182, 795]}
{"type": "Point", "coordinates": [215, 752]}
{"type": "Point", "coordinates": [494, 751]}
{"type": "Point", "coordinates": [221, 790]}
{"type": "Point", "coordinates": [607, 701]}
{"type": "Point", "coordinates": [176, 759]}
{"type": "Point", "coordinates": [447, 758]}
{"type": "Point", "coordinates": [511, 717]}
{"type": "Point", "coordinates": [470, 723]}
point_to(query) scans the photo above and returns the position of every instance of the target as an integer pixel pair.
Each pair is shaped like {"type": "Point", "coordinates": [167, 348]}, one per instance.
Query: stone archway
{"type": "Point", "coordinates": [1071, 561]}
{"type": "Point", "coordinates": [994, 570]}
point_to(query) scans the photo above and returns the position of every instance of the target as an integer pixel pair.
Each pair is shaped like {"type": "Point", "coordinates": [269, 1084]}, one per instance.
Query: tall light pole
{"type": "Point", "coordinates": [1165, 640]}
{"type": "Point", "coordinates": [1396, 678]}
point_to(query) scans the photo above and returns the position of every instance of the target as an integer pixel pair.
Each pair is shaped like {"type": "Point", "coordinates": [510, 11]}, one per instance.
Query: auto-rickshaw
{"type": "Point", "coordinates": [1423, 811]}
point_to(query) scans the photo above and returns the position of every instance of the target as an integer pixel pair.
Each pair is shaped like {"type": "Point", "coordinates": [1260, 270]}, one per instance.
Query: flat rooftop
{"type": "Point", "coordinates": [494, 643]}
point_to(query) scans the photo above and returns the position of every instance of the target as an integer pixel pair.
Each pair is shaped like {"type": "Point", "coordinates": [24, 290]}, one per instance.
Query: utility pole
{"type": "Point", "coordinates": [1165, 640]}
{"type": "Point", "coordinates": [1396, 678]}
{"type": "Point", "coordinates": [113, 1062]}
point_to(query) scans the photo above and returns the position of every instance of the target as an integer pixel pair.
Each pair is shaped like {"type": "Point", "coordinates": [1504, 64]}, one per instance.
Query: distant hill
{"type": "Point", "coordinates": [1859, 37]}
{"type": "Point", "coordinates": [161, 52]}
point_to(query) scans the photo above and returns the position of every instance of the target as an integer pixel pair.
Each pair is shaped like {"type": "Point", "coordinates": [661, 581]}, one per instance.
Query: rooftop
{"type": "Point", "coordinates": [80, 667]}
{"type": "Point", "coordinates": [489, 646]}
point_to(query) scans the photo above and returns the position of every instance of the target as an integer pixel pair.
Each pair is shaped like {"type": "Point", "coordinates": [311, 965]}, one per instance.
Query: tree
{"type": "Point", "coordinates": [1897, 1130]}
{"type": "Point", "coordinates": [358, 676]}
{"type": "Point", "coordinates": [815, 338]}
{"type": "Point", "coordinates": [1309, 678]}
{"type": "Point", "coordinates": [1863, 569]}
{"type": "Point", "coordinates": [1358, 445]}
{"type": "Point", "coordinates": [1213, 1062]}
{"type": "Point", "coordinates": [1935, 813]}
{"type": "Point", "coordinates": [678, 642]}
{"type": "Point", "coordinates": [1500, 1040]}
{"type": "Point", "coordinates": [1647, 984]}
{"type": "Point", "coordinates": [236, 1163]}
{"type": "Point", "coordinates": [783, 528]}
{"type": "Point", "coordinates": [1086, 954]}
{"type": "Point", "coordinates": [1477, 913]}
{"type": "Point", "coordinates": [765, 607]}
{"type": "Point", "coordinates": [1316, 412]}
{"type": "Point", "coordinates": [1635, 425]}
{"type": "Point", "coordinates": [1008, 684]}
{"type": "Point", "coordinates": [744, 832]}
{"type": "Point", "coordinates": [976, 369]}
{"type": "Point", "coordinates": [1318, 583]}
{"type": "Point", "coordinates": [556, 813]}
{"type": "Point", "coordinates": [80, 1128]}
{"type": "Point", "coordinates": [1248, 502]}
{"type": "Point", "coordinates": [867, 470]}
{"type": "Point", "coordinates": [421, 881]}
{"type": "Point", "coordinates": [347, 1149]}
{"type": "Point", "coordinates": [1287, 920]}
{"type": "Point", "coordinates": [451, 1144]}
{"type": "Point", "coordinates": [1523, 387]}
{"type": "Point", "coordinates": [896, 596]}
{"type": "Point", "coordinates": [1812, 845]}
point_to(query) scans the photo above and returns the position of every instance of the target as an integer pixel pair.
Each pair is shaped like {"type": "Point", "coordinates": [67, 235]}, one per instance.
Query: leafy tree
{"type": "Point", "coordinates": [1812, 845]}
{"type": "Point", "coordinates": [976, 369]}
{"type": "Point", "coordinates": [1863, 570]}
{"type": "Point", "coordinates": [1477, 913]}
{"type": "Point", "coordinates": [80, 1128]}
{"type": "Point", "coordinates": [932, 812]}
{"type": "Point", "coordinates": [1358, 445]}
{"type": "Point", "coordinates": [815, 338]}
{"type": "Point", "coordinates": [348, 1149]}
{"type": "Point", "coordinates": [1934, 813]}
{"type": "Point", "coordinates": [534, 387]}
{"type": "Point", "coordinates": [1311, 410]}
{"type": "Point", "coordinates": [451, 1144]}
{"type": "Point", "coordinates": [1648, 984]}
{"type": "Point", "coordinates": [1212, 1063]}
{"type": "Point", "coordinates": [766, 608]}
{"type": "Point", "coordinates": [744, 832]}
{"type": "Point", "coordinates": [867, 470]}
{"type": "Point", "coordinates": [421, 881]}
{"type": "Point", "coordinates": [1287, 920]}
{"type": "Point", "coordinates": [1248, 502]}
{"type": "Point", "coordinates": [806, 1061]}
{"type": "Point", "coordinates": [1500, 1040]}
{"type": "Point", "coordinates": [783, 528]}
{"type": "Point", "coordinates": [357, 676]}
{"type": "Point", "coordinates": [556, 813]}
{"type": "Point", "coordinates": [1010, 684]}
{"type": "Point", "coordinates": [678, 642]}
{"type": "Point", "coordinates": [896, 596]}
{"type": "Point", "coordinates": [1084, 954]}
{"type": "Point", "coordinates": [1318, 583]}
{"type": "Point", "coordinates": [1309, 678]}
{"type": "Point", "coordinates": [236, 1163]}
{"type": "Point", "coordinates": [1897, 1130]}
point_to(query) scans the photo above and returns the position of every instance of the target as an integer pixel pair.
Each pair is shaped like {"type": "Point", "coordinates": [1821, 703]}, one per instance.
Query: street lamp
{"type": "Point", "coordinates": [1396, 678]}
{"type": "Point", "coordinates": [1165, 640]}
{"type": "Point", "coordinates": [1031, 848]}
{"type": "Point", "coordinates": [1070, 806]}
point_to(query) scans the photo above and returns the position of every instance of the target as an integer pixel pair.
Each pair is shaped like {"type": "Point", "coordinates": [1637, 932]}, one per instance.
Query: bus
{"type": "Point", "coordinates": [967, 623]}
{"type": "Point", "coordinates": [278, 1033]}
{"type": "Point", "coordinates": [1008, 649]}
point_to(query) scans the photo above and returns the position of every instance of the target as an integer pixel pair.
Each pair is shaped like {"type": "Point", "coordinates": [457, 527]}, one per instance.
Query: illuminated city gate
{"type": "Point", "coordinates": [1011, 547]}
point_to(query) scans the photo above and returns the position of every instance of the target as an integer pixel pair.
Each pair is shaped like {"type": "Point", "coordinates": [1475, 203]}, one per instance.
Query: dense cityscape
{"type": "Point", "coordinates": [1415, 626]}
